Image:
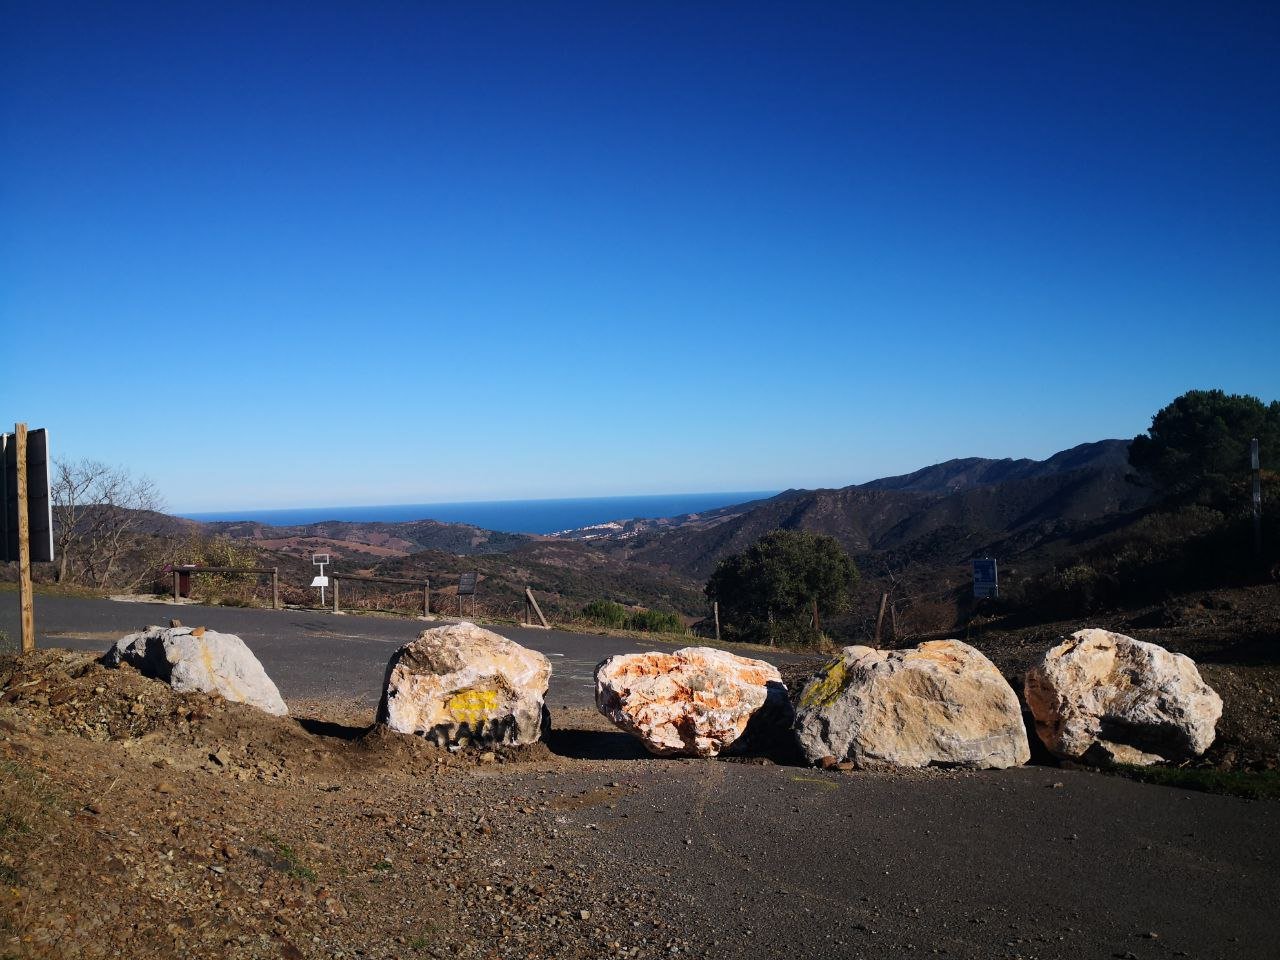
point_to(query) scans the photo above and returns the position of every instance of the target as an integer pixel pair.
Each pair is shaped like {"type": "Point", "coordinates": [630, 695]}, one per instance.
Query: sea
{"type": "Point", "coordinates": [509, 516]}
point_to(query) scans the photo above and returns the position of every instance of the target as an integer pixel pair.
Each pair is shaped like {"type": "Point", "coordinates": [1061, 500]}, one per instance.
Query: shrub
{"type": "Point", "coordinates": [656, 621]}
{"type": "Point", "coordinates": [768, 592]}
{"type": "Point", "coordinates": [605, 613]}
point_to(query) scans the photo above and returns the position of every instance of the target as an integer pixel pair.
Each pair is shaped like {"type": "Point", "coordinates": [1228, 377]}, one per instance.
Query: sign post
{"type": "Point", "coordinates": [26, 514]}
{"type": "Point", "coordinates": [320, 560]}
{"type": "Point", "coordinates": [986, 581]}
{"type": "Point", "coordinates": [466, 588]}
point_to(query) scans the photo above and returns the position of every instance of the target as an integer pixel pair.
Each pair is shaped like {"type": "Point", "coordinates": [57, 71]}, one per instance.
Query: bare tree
{"type": "Point", "coordinates": [99, 512]}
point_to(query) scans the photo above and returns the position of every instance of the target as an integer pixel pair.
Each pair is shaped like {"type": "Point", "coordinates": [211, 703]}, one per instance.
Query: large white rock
{"type": "Point", "coordinates": [693, 702]}
{"type": "Point", "coordinates": [1106, 697]}
{"type": "Point", "coordinates": [193, 659]}
{"type": "Point", "coordinates": [942, 703]}
{"type": "Point", "coordinates": [462, 684]}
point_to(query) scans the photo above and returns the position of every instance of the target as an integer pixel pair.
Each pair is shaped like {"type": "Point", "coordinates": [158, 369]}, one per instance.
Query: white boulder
{"type": "Point", "coordinates": [1105, 697]}
{"type": "Point", "coordinates": [462, 684]}
{"type": "Point", "coordinates": [193, 659]}
{"type": "Point", "coordinates": [693, 702]}
{"type": "Point", "coordinates": [942, 703]}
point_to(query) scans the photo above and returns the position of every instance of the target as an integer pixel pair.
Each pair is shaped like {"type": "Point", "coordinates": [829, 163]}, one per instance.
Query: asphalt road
{"type": "Point", "coordinates": [776, 861]}
{"type": "Point", "coordinates": [310, 653]}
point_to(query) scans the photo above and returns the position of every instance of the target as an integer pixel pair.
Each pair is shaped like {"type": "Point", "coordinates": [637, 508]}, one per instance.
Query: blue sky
{"type": "Point", "coordinates": [290, 254]}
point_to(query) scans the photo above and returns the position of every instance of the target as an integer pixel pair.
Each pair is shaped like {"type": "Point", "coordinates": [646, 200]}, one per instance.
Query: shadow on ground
{"type": "Point", "coordinates": [594, 745]}
{"type": "Point", "coordinates": [336, 731]}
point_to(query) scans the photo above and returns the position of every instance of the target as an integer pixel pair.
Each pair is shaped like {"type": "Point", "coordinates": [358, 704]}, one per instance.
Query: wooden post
{"type": "Point", "coordinates": [715, 612]}
{"type": "Point", "coordinates": [275, 588]}
{"type": "Point", "coordinates": [884, 602]}
{"type": "Point", "coordinates": [817, 620]}
{"type": "Point", "coordinates": [175, 584]}
{"type": "Point", "coordinates": [24, 545]}
{"type": "Point", "coordinates": [532, 602]}
{"type": "Point", "coordinates": [333, 581]}
{"type": "Point", "coordinates": [426, 599]}
{"type": "Point", "coordinates": [1256, 464]}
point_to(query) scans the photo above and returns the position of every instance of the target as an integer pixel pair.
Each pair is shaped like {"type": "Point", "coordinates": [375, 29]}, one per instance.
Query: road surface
{"type": "Point", "coordinates": [311, 653]}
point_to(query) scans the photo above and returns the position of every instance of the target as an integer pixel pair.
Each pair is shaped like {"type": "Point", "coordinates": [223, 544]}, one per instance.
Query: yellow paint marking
{"type": "Point", "coordinates": [469, 706]}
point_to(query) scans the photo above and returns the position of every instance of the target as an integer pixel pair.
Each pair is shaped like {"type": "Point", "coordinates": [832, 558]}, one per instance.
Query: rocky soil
{"type": "Point", "coordinates": [137, 822]}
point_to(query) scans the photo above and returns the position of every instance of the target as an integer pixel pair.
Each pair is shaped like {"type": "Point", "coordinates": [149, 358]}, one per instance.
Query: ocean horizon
{"type": "Point", "coordinates": [508, 516]}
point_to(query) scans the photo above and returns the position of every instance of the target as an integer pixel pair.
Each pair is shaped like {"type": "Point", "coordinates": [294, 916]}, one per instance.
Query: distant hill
{"type": "Point", "coordinates": [370, 542]}
{"type": "Point", "coordinates": [942, 514]}
{"type": "Point", "coordinates": [956, 475]}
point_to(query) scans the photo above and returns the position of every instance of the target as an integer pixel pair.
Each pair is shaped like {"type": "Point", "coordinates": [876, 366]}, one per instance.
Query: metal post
{"type": "Point", "coordinates": [24, 545]}
{"type": "Point", "coordinates": [175, 584]}
{"type": "Point", "coordinates": [275, 588]}
{"type": "Point", "coordinates": [335, 594]}
{"type": "Point", "coordinates": [715, 610]}
{"type": "Point", "coordinates": [426, 599]}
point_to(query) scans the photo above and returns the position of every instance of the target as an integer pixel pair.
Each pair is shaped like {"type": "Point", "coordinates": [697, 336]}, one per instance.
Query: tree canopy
{"type": "Point", "coordinates": [767, 592]}
{"type": "Point", "coordinates": [1197, 448]}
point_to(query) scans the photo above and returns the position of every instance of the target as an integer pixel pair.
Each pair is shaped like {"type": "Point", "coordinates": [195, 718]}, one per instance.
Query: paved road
{"type": "Point", "coordinates": [309, 653]}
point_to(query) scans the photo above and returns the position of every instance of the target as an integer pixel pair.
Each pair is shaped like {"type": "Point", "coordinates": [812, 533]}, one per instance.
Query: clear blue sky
{"type": "Point", "coordinates": [276, 254]}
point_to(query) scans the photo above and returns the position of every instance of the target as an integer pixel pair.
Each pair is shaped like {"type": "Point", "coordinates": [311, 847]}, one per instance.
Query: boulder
{"type": "Point", "coordinates": [941, 703]}
{"type": "Point", "coordinates": [462, 685]}
{"type": "Point", "coordinates": [1104, 697]}
{"type": "Point", "coordinates": [695, 702]}
{"type": "Point", "coordinates": [193, 659]}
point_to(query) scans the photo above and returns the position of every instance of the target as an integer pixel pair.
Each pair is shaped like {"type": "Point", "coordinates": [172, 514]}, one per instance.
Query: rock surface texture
{"type": "Point", "coordinates": [942, 703]}
{"type": "Point", "coordinates": [195, 659]}
{"type": "Point", "coordinates": [695, 702]}
{"type": "Point", "coordinates": [1105, 697]}
{"type": "Point", "coordinates": [462, 684]}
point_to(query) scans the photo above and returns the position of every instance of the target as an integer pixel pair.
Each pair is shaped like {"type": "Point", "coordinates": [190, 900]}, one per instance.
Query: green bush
{"type": "Point", "coordinates": [769, 591]}
{"type": "Point", "coordinates": [656, 621]}
{"type": "Point", "coordinates": [605, 613]}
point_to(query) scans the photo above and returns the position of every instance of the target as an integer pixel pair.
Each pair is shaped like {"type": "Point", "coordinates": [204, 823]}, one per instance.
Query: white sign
{"type": "Point", "coordinates": [321, 560]}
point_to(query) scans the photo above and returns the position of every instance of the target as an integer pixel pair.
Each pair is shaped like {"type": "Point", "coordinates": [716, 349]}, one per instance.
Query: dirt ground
{"type": "Point", "coordinates": [136, 822]}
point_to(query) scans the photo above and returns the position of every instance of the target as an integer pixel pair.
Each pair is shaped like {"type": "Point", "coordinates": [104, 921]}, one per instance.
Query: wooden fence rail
{"type": "Point", "coordinates": [424, 584]}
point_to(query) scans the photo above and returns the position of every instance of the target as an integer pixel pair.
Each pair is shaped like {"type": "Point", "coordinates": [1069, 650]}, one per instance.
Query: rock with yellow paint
{"type": "Point", "coordinates": [463, 685]}
{"type": "Point", "coordinates": [941, 703]}
{"type": "Point", "coordinates": [192, 659]}
{"type": "Point", "coordinates": [1104, 697]}
{"type": "Point", "coordinates": [695, 702]}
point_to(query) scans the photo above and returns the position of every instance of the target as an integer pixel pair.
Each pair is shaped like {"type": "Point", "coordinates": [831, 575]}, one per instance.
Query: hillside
{"type": "Point", "coordinates": [1038, 504]}
{"type": "Point", "coordinates": [953, 476]}
{"type": "Point", "coordinates": [565, 575]}
{"type": "Point", "coordinates": [369, 542]}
